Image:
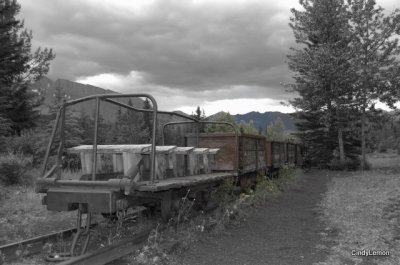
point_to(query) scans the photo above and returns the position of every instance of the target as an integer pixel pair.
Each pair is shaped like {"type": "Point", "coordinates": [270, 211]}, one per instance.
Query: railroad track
{"type": "Point", "coordinates": [103, 255]}
{"type": "Point", "coordinates": [33, 245]}
{"type": "Point", "coordinates": [112, 252]}
{"type": "Point", "coordinates": [99, 256]}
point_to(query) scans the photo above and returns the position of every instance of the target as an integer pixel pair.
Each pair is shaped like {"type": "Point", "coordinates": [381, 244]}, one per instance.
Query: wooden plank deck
{"type": "Point", "coordinates": [176, 183]}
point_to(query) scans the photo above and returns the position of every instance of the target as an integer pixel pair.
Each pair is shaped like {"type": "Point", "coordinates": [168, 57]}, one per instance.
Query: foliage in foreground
{"type": "Point", "coordinates": [15, 169]}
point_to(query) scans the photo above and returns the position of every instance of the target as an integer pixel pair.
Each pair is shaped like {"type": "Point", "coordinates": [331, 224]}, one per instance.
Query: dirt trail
{"type": "Point", "coordinates": [283, 231]}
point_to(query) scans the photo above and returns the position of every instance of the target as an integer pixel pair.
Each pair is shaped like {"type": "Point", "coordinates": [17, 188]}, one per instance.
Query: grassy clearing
{"type": "Point", "coordinates": [364, 209]}
{"type": "Point", "coordinates": [23, 216]}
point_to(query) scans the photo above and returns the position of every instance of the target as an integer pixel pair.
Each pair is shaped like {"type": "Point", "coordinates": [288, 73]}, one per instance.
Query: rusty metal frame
{"type": "Point", "coordinates": [98, 98]}
{"type": "Point", "coordinates": [197, 133]}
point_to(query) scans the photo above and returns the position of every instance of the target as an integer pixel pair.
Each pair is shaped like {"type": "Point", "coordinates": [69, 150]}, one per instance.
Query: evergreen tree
{"type": "Point", "coordinates": [73, 129]}
{"type": "Point", "coordinates": [350, 61]}
{"type": "Point", "coordinates": [276, 131]}
{"type": "Point", "coordinates": [323, 75]}
{"type": "Point", "coordinates": [247, 127]}
{"type": "Point", "coordinates": [222, 117]}
{"type": "Point", "coordinates": [375, 61]}
{"type": "Point", "coordinates": [130, 128]}
{"type": "Point", "coordinates": [200, 116]}
{"type": "Point", "coordinates": [148, 118]}
{"type": "Point", "coordinates": [19, 68]}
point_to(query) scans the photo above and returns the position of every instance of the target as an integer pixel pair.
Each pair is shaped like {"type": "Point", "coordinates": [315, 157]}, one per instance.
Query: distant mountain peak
{"type": "Point", "coordinates": [262, 120]}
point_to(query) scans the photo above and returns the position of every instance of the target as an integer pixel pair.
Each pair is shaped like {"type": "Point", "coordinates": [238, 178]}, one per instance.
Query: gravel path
{"type": "Point", "coordinates": [286, 230]}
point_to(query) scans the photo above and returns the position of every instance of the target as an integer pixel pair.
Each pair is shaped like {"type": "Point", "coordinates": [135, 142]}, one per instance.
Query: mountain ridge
{"type": "Point", "coordinates": [74, 90]}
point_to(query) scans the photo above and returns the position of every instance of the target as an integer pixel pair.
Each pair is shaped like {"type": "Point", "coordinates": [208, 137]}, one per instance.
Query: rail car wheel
{"type": "Point", "coordinates": [110, 216]}
{"type": "Point", "coordinates": [166, 205]}
{"type": "Point", "coordinates": [202, 199]}
{"type": "Point", "coordinates": [245, 183]}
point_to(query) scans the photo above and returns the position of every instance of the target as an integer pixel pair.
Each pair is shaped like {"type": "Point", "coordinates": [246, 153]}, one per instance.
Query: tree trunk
{"type": "Point", "coordinates": [341, 145]}
{"type": "Point", "coordinates": [363, 139]}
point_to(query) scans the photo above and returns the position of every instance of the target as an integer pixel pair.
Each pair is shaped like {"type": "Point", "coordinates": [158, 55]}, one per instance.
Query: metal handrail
{"type": "Point", "coordinates": [103, 97]}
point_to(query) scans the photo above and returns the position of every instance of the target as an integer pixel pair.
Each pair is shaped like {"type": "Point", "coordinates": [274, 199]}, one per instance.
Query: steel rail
{"type": "Point", "coordinates": [33, 245]}
{"type": "Point", "coordinates": [112, 252]}
{"type": "Point", "coordinates": [121, 248]}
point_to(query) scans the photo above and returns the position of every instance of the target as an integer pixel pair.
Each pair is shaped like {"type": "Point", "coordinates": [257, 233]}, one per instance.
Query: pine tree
{"type": "Point", "coordinates": [323, 74]}
{"type": "Point", "coordinates": [247, 127]}
{"type": "Point", "coordinates": [222, 117]}
{"type": "Point", "coordinates": [130, 128]}
{"type": "Point", "coordinates": [200, 116]}
{"type": "Point", "coordinates": [375, 61]}
{"type": "Point", "coordinates": [19, 68]}
{"type": "Point", "coordinates": [276, 131]}
{"type": "Point", "coordinates": [73, 129]}
{"type": "Point", "coordinates": [148, 118]}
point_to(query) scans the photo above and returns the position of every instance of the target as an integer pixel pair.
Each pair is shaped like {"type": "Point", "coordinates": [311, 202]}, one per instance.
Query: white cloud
{"type": "Point", "coordinates": [217, 54]}
{"type": "Point", "coordinates": [239, 106]}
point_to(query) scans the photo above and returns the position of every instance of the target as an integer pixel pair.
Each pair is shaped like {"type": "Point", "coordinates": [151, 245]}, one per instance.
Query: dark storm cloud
{"type": "Point", "coordinates": [176, 44]}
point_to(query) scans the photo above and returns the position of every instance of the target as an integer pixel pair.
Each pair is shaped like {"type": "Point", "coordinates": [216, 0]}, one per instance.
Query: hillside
{"type": "Point", "coordinates": [74, 90]}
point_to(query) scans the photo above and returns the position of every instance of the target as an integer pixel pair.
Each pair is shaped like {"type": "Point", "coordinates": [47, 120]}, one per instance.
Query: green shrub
{"type": "Point", "coordinates": [265, 185]}
{"type": "Point", "coordinates": [14, 169]}
{"type": "Point", "coordinates": [31, 143]}
{"type": "Point", "coordinates": [382, 149]}
{"type": "Point", "coordinates": [348, 164]}
{"type": "Point", "coordinates": [225, 193]}
{"type": "Point", "coordinates": [285, 177]}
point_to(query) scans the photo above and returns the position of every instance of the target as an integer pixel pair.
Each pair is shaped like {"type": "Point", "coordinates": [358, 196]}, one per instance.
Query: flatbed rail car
{"type": "Point", "coordinates": [127, 185]}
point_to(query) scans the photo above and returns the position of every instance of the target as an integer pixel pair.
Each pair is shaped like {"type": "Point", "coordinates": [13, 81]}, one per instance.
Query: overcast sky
{"type": "Point", "coordinates": [221, 55]}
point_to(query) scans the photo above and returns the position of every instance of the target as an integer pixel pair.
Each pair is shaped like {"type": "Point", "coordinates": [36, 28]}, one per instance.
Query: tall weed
{"type": "Point", "coordinates": [14, 168]}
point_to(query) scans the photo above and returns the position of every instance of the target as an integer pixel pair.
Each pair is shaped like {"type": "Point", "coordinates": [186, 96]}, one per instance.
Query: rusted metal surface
{"type": "Point", "coordinates": [252, 153]}
{"type": "Point", "coordinates": [291, 153]}
{"type": "Point", "coordinates": [250, 156]}
{"type": "Point", "coordinates": [197, 141]}
{"type": "Point", "coordinates": [225, 159]}
{"type": "Point", "coordinates": [268, 153]}
{"type": "Point", "coordinates": [278, 154]}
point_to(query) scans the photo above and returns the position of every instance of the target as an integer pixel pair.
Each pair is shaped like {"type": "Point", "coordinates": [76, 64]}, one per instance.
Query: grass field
{"type": "Point", "coordinates": [23, 216]}
{"type": "Point", "coordinates": [362, 210]}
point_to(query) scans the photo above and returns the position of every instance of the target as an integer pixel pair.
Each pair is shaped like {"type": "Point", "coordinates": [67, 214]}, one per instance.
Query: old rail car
{"type": "Point", "coordinates": [245, 154]}
{"type": "Point", "coordinates": [147, 174]}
